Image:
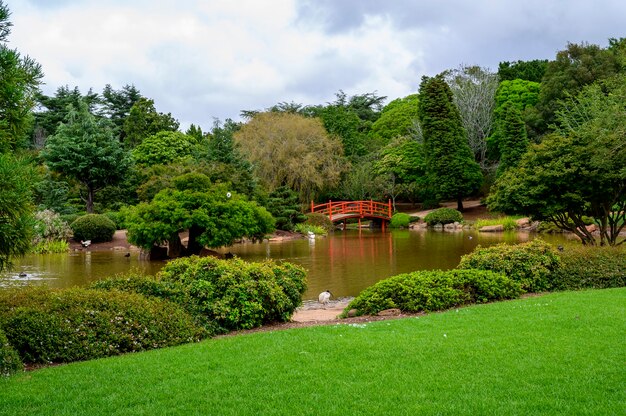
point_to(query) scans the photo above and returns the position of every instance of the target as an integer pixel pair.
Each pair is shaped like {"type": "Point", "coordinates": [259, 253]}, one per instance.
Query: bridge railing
{"type": "Point", "coordinates": [362, 208]}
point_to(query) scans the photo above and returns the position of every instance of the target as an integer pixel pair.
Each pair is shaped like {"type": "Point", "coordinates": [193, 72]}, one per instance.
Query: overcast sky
{"type": "Point", "coordinates": [201, 60]}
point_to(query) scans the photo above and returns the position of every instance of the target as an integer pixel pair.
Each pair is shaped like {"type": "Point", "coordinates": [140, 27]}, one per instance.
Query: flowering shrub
{"type": "Point", "coordinates": [49, 226]}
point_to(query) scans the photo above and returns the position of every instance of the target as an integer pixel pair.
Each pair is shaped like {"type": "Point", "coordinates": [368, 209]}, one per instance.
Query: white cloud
{"type": "Point", "coordinates": [204, 59]}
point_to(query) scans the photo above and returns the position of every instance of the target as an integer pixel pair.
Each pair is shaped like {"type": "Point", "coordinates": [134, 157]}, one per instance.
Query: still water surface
{"type": "Point", "coordinates": [344, 262]}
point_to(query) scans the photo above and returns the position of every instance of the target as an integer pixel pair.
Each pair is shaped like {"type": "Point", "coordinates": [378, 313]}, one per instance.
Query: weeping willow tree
{"type": "Point", "coordinates": [292, 150]}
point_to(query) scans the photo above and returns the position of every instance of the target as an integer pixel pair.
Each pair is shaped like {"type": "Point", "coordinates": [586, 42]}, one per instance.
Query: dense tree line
{"type": "Point", "coordinates": [539, 137]}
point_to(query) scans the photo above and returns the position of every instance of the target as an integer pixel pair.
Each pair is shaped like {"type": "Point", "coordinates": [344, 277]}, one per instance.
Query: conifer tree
{"type": "Point", "coordinates": [451, 169]}
{"type": "Point", "coordinates": [514, 141]}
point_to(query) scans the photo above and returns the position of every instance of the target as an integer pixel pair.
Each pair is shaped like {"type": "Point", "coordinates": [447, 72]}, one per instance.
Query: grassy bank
{"type": "Point", "coordinates": [561, 353]}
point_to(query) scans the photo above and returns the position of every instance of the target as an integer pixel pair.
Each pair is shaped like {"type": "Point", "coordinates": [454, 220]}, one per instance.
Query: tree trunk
{"type": "Point", "coordinates": [193, 246]}
{"type": "Point", "coordinates": [90, 192]}
{"type": "Point", "coordinates": [459, 204]}
{"type": "Point", "coordinates": [175, 247]}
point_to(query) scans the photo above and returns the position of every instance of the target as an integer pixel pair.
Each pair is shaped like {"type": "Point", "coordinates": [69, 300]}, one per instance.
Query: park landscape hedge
{"type": "Point", "coordinates": [95, 227]}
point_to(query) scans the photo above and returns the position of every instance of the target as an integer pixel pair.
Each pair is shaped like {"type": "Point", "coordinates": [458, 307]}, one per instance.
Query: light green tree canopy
{"type": "Point", "coordinates": [213, 215]}
{"type": "Point", "coordinates": [578, 172]}
{"type": "Point", "coordinates": [291, 150]}
{"type": "Point", "coordinates": [164, 147]}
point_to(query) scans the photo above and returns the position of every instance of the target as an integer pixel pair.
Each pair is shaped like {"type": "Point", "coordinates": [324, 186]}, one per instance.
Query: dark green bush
{"type": "Point", "coordinates": [400, 220]}
{"type": "Point", "coordinates": [117, 218]}
{"type": "Point", "coordinates": [10, 362]}
{"type": "Point", "coordinates": [238, 295]}
{"type": "Point", "coordinates": [46, 325]}
{"type": "Point", "coordinates": [433, 290]}
{"type": "Point", "coordinates": [531, 264]}
{"type": "Point", "coordinates": [319, 220]}
{"type": "Point", "coordinates": [94, 227]}
{"type": "Point", "coordinates": [70, 218]}
{"type": "Point", "coordinates": [591, 267]}
{"type": "Point", "coordinates": [443, 216]}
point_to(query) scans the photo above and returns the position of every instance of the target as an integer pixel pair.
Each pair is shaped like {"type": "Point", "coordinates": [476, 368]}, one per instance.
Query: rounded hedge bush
{"type": "Point", "coordinates": [443, 216]}
{"type": "Point", "coordinates": [94, 227]}
{"type": "Point", "coordinates": [584, 267]}
{"type": "Point", "coordinates": [531, 264]}
{"type": "Point", "coordinates": [46, 325]}
{"type": "Point", "coordinates": [400, 220]}
{"type": "Point", "coordinates": [235, 294]}
{"type": "Point", "coordinates": [10, 362]}
{"type": "Point", "coordinates": [433, 290]}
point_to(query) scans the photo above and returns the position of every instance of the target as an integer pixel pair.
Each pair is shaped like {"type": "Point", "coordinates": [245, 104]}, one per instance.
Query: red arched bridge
{"type": "Point", "coordinates": [341, 210]}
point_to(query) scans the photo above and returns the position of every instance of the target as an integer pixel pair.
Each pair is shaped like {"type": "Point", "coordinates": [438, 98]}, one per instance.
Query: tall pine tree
{"type": "Point", "coordinates": [514, 141]}
{"type": "Point", "coordinates": [451, 169]}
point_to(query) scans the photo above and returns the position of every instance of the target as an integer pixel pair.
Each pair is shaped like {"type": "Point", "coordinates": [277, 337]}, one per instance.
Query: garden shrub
{"type": "Point", "coordinates": [443, 216]}
{"type": "Point", "coordinates": [117, 218]}
{"type": "Point", "coordinates": [591, 267]}
{"type": "Point", "coordinates": [10, 362]}
{"type": "Point", "coordinates": [400, 220]}
{"type": "Point", "coordinates": [433, 290]}
{"type": "Point", "coordinates": [236, 294]}
{"type": "Point", "coordinates": [531, 264]}
{"type": "Point", "coordinates": [94, 227]}
{"type": "Point", "coordinates": [303, 228]}
{"type": "Point", "coordinates": [70, 218]}
{"type": "Point", "coordinates": [46, 325]}
{"type": "Point", "coordinates": [320, 220]}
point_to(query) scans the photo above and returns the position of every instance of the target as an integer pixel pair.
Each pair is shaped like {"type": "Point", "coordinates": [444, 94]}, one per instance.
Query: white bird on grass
{"type": "Point", "coordinates": [324, 297]}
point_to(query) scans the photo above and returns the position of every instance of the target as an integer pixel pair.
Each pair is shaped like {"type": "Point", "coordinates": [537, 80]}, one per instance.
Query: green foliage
{"type": "Point", "coordinates": [401, 168]}
{"type": "Point", "coordinates": [10, 362]}
{"type": "Point", "coordinates": [434, 290]}
{"type": "Point", "coordinates": [236, 294]}
{"type": "Point", "coordinates": [523, 70]}
{"type": "Point", "coordinates": [215, 216]}
{"type": "Point", "coordinates": [591, 267]}
{"type": "Point", "coordinates": [117, 218]}
{"type": "Point", "coordinates": [509, 223]}
{"type": "Point", "coordinates": [576, 173]}
{"type": "Point", "coordinates": [117, 104]}
{"type": "Point", "coordinates": [303, 228]}
{"type": "Point", "coordinates": [400, 220]}
{"type": "Point", "coordinates": [397, 119]}
{"type": "Point", "coordinates": [283, 203]}
{"type": "Point", "coordinates": [513, 142]}
{"type": "Point", "coordinates": [452, 171]}
{"type": "Point", "coordinates": [85, 149]}
{"type": "Point", "coordinates": [15, 209]}
{"type": "Point", "coordinates": [319, 220]}
{"type": "Point", "coordinates": [346, 124]}
{"type": "Point", "coordinates": [54, 110]}
{"type": "Point", "coordinates": [20, 78]}
{"type": "Point", "coordinates": [443, 216]}
{"type": "Point", "coordinates": [94, 227]}
{"type": "Point", "coordinates": [144, 121]}
{"type": "Point", "coordinates": [50, 226]}
{"type": "Point", "coordinates": [572, 69]}
{"type": "Point", "coordinates": [163, 148]}
{"type": "Point", "coordinates": [47, 326]}
{"type": "Point", "coordinates": [530, 264]}
{"type": "Point", "coordinates": [50, 246]}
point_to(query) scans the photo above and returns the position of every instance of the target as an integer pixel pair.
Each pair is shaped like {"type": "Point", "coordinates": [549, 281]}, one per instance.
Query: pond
{"type": "Point", "coordinates": [345, 262]}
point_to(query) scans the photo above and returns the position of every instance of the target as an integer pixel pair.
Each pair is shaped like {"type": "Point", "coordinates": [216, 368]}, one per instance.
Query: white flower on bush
{"type": "Point", "coordinates": [49, 226]}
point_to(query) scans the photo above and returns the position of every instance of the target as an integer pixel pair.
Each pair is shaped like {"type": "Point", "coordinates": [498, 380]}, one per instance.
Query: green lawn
{"type": "Point", "coordinates": [563, 353]}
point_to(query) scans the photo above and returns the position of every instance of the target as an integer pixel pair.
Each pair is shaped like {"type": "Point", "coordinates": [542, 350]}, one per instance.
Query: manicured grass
{"type": "Point", "coordinates": [561, 353]}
